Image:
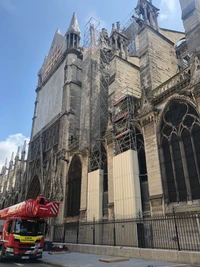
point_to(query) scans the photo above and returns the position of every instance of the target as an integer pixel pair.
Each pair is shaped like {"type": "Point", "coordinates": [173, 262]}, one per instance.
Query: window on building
{"type": "Point", "coordinates": [180, 143]}
{"type": "Point", "coordinates": [74, 187]}
{"type": "Point", "coordinates": [142, 171]}
{"type": "Point", "coordinates": [34, 188]}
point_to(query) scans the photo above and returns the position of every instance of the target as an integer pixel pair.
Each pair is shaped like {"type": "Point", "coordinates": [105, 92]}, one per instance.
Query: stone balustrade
{"type": "Point", "coordinates": [179, 78]}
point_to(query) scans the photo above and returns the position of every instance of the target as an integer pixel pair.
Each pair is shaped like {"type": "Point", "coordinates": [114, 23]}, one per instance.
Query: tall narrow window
{"type": "Point", "coordinates": [34, 188]}
{"type": "Point", "coordinates": [74, 187]}
{"type": "Point", "coordinates": [143, 171]}
{"type": "Point", "coordinates": [180, 142]}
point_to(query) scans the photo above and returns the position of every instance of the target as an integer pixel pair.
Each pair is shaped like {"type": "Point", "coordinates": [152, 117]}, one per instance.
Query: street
{"type": "Point", "coordinates": [26, 263]}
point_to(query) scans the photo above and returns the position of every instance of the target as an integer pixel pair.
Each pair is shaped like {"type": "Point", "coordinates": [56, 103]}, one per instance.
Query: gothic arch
{"type": "Point", "coordinates": [180, 151]}
{"type": "Point", "coordinates": [34, 188]}
{"type": "Point", "coordinates": [74, 187]}
{"type": "Point", "coordinates": [175, 97]}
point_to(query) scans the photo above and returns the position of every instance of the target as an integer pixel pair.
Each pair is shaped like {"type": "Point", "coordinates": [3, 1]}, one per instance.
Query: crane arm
{"type": "Point", "coordinates": [32, 208]}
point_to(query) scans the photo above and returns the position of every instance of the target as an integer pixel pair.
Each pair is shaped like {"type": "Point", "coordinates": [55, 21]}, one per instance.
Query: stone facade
{"type": "Point", "coordinates": [115, 130]}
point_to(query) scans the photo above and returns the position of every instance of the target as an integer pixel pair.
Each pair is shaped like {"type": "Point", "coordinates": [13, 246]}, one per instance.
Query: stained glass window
{"type": "Point", "coordinates": [180, 141]}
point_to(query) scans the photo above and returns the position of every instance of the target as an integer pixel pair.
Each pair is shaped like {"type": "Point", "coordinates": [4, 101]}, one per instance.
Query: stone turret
{"type": "Point", "coordinates": [17, 156]}
{"type": "Point", "coordinates": [3, 170]}
{"type": "Point", "coordinates": [118, 41]}
{"type": "Point", "coordinates": [3, 176]}
{"type": "Point", "coordinates": [73, 33]}
{"type": "Point", "coordinates": [10, 173]}
{"type": "Point", "coordinates": [23, 154]}
{"type": "Point", "coordinates": [147, 13]}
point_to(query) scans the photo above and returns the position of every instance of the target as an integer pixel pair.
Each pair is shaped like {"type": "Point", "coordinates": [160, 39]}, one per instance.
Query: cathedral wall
{"type": "Point", "coordinates": [127, 76]}
{"type": "Point", "coordinates": [191, 21]}
{"type": "Point", "coordinates": [163, 61]}
{"type": "Point", "coordinates": [158, 61]}
{"type": "Point", "coordinates": [49, 100]}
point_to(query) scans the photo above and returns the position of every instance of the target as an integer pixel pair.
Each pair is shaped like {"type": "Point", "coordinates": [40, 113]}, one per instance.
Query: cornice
{"type": "Point", "coordinates": [171, 91]}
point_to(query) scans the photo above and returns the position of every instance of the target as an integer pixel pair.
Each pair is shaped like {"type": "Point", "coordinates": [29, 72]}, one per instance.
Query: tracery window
{"type": "Point", "coordinates": [180, 142]}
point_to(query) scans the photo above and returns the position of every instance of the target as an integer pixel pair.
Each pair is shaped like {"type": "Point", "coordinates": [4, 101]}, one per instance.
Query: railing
{"type": "Point", "coordinates": [179, 78]}
{"type": "Point", "coordinates": [174, 232]}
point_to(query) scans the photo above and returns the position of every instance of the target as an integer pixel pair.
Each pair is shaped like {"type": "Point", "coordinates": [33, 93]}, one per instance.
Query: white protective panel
{"type": "Point", "coordinates": [127, 195]}
{"type": "Point", "coordinates": [49, 100]}
{"type": "Point", "coordinates": [95, 195]}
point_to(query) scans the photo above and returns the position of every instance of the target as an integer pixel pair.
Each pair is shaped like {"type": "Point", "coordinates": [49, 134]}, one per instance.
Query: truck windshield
{"type": "Point", "coordinates": [29, 227]}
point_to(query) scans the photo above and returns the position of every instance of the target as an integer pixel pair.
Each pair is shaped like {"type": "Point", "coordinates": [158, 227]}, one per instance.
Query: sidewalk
{"type": "Point", "coordinates": [74, 259]}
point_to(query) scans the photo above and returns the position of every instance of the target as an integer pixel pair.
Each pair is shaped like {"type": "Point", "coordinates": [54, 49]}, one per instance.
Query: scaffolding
{"type": "Point", "coordinates": [124, 121]}
{"type": "Point", "coordinates": [94, 106]}
{"type": "Point", "coordinates": [130, 29]}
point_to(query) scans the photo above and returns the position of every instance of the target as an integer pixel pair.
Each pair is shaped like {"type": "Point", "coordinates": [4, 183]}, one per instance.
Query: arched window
{"type": "Point", "coordinates": [34, 188]}
{"type": "Point", "coordinates": [180, 143]}
{"type": "Point", "coordinates": [74, 187]}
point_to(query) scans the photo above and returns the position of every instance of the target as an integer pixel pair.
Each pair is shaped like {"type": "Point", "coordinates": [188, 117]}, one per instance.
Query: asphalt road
{"type": "Point", "coordinates": [24, 264]}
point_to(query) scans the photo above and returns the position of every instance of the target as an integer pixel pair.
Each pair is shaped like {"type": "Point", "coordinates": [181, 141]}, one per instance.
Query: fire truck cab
{"type": "Point", "coordinates": [23, 229]}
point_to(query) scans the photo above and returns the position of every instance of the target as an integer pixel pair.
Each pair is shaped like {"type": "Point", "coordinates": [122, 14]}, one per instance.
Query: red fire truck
{"type": "Point", "coordinates": [24, 227]}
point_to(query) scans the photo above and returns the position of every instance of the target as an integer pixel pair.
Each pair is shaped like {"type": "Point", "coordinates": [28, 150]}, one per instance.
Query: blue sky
{"type": "Point", "coordinates": [27, 28]}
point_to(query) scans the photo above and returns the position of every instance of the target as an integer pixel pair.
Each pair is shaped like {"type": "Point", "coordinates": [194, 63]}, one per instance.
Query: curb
{"type": "Point", "coordinates": [55, 264]}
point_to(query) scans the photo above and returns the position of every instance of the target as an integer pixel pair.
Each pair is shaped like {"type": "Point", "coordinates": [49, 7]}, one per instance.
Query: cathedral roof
{"type": "Point", "coordinates": [73, 27]}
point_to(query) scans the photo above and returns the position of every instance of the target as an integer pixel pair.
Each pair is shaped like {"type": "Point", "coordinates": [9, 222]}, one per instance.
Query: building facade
{"type": "Point", "coordinates": [116, 125]}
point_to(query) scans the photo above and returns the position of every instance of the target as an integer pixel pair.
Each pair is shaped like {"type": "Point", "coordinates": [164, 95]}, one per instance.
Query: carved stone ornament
{"type": "Point", "coordinates": [195, 68]}
{"type": "Point", "coordinates": [174, 97]}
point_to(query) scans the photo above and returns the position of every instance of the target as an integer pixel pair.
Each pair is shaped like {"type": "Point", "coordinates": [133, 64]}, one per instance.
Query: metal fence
{"type": "Point", "coordinates": [175, 232]}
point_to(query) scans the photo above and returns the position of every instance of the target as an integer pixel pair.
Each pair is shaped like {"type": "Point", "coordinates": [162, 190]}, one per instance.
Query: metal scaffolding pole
{"type": "Point", "coordinates": [94, 107]}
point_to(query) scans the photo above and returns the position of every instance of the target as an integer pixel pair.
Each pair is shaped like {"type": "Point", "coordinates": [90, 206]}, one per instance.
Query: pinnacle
{"type": "Point", "coordinates": [73, 27]}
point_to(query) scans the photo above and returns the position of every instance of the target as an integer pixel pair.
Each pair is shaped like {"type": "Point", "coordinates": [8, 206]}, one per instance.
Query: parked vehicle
{"type": "Point", "coordinates": [23, 227]}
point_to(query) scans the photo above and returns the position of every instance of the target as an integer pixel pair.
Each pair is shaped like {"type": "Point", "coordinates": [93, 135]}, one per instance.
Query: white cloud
{"type": "Point", "coordinates": [168, 9]}
{"type": "Point", "coordinates": [11, 145]}
{"type": "Point", "coordinates": [8, 6]}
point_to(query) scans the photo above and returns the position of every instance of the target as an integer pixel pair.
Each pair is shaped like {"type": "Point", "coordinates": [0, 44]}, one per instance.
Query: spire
{"type": "Point", "coordinates": [58, 31]}
{"type": "Point", "coordinates": [17, 155]}
{"type": "Point", "coordinates": [73, 34]}
{"type": "Point", "coordinates": [11, 161]}
{"type": "Point", "coordinates": [4, 167]}
{"type": "Point", "coordinates": [23, 151]}
{"type": "Point", "coordinates": [73, 27]}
